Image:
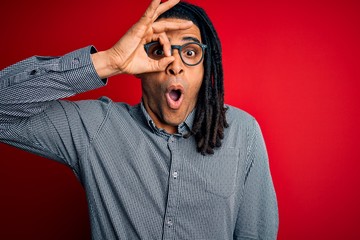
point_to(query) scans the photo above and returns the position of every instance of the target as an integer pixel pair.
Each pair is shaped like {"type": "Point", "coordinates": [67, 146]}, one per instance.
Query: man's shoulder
{"type": "Point", "coordinates": [93, 108]}
{"type": "Point", "coordinates": [236, 115]}
{"type": "Point", "coordinates": [103, 102]}
{"type": "Point", "coordinates": [242, 127]}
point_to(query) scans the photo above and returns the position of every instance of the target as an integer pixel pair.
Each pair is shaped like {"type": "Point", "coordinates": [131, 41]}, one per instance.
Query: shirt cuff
{"type": "Point", "coordinates": [79, 70]}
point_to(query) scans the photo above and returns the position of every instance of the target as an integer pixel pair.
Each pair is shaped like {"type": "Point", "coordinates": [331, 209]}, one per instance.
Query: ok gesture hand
{"type": "Point", "coordinates": [128, 54]}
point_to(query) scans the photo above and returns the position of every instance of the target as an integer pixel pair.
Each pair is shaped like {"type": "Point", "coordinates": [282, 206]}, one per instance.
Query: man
{"type": "Point", "coordinates": [179, 165]}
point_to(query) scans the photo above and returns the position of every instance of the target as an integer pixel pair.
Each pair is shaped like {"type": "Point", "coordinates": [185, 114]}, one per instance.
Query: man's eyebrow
{"type": "Point", "coordinates": [192, 39]}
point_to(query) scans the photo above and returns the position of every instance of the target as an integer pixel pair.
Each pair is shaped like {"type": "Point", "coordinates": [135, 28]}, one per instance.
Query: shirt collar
{"type": "Point", "coordinates": [183, 127]}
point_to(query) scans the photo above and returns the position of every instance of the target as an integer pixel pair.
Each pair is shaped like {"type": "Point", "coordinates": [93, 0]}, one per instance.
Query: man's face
{"type": "Point", "coordinates": [169, 96]}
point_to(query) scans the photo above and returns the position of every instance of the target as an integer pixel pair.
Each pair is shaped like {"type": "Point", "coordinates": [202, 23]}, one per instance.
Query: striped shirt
{"type": "Point", "coordinates": [140, 181]}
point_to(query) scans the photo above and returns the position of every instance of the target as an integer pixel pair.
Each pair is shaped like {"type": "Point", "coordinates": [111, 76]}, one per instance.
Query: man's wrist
{"type": "Point", "coordinates": [103, 64]}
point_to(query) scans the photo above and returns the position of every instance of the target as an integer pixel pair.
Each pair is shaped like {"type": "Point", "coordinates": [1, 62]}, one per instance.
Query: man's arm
{"type": "Point", "coordinates": [258, 214]}
{"type": "Point", "coordinates": [29, 86]}
{"type": "Point", "coordinates": [30, 116]}
{"type": "Point", "coordinates": [29, 90]}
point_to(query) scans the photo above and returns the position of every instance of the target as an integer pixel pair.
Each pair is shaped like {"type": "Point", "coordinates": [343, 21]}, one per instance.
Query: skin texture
{"type": "Point", "coordinates": [166, 113]}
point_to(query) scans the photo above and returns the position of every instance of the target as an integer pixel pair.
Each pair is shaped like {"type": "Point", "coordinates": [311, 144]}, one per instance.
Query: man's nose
{"type": "Point", "coordinates": [177, 66]}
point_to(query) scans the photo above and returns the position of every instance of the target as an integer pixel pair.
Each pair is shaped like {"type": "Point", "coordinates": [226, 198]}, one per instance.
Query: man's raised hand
{"type": "Point", "coordinates": [128, 54]}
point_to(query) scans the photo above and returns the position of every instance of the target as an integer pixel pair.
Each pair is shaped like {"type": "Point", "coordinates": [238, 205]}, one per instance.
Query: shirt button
{"type": "Point", "coordinates": [169, 223]}
{"type": "Point", "coordinates": [76, 60]}
{"type": "Point", "coordinates": [33, 72]}
{"type": "Point", "coordinates": [175, 174]}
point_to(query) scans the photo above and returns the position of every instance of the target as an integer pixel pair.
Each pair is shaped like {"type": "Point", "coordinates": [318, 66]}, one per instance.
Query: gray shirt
{"type": "Point", "coordinates": [140, 182]}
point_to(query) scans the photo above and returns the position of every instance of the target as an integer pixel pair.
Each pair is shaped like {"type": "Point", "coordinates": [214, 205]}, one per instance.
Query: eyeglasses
{"type": "Point", "coordinates": [190, 53]}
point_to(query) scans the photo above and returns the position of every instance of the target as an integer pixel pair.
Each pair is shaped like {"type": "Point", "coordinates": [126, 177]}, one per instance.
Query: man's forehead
{"type": "Point", "coordinates": [188, 39]}
{"type": "Point", "coordinates": [192, 33]}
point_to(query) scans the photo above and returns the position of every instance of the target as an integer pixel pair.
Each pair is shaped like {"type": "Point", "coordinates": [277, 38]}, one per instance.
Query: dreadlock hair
{"type": "Point", "coordinates": [210, 118]}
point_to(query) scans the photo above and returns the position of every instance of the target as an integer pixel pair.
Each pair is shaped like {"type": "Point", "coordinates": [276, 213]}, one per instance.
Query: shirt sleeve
{"type": "Point", "coordinates": [258, 214]}
{"type": "Point", "coordinates": [27, 87]}
{"type": "Point", "coordinates": [32, 116]}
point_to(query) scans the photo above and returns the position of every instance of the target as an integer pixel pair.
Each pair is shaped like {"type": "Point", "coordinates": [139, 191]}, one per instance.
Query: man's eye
{"type": "Point", "coordinates": [190, 53]}
{"type": "Point", "coordinates": [158, 52]}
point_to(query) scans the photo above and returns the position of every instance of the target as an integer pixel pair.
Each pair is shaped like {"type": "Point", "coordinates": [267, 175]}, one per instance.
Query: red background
{"type": "Point", "coordinates": [294, 65]}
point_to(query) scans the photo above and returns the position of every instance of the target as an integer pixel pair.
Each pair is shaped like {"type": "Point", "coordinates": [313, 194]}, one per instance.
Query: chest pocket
{"type": "Point", "coordinates": [221, 169]}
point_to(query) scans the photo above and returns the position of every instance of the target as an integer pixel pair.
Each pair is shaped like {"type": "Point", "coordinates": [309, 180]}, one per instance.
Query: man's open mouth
{"type": "Point", "coordinates": [174, 97]}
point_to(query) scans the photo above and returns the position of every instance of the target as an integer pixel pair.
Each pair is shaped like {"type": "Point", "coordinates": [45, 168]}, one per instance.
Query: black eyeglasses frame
{"type": "Point", "coordinates": [179, 48]}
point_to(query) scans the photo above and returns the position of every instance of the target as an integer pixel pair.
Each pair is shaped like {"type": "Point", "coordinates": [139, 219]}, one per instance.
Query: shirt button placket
{"type": "Point", "coordinates": [172, 201]}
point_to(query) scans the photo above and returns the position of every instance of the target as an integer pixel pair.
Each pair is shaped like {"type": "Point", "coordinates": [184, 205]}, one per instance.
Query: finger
{"type": "Point", "coordinates": [150, 12]}
{"type": "Point", "coordinates": [163, 26]}
{"type": "Point", "coordinates": [164, 41]}
{"type": "Point", "coordinates": [164, 7]}
{"type": "Point", "coordinates": [163, 63]}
